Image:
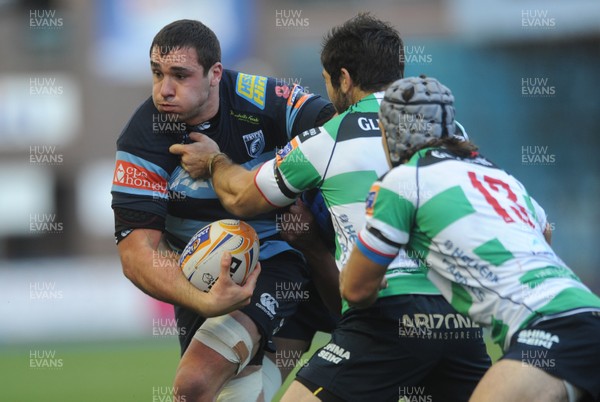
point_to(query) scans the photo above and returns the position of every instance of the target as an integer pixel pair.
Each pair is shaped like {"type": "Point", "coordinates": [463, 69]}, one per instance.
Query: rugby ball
{"type": "Point", "coordinates": [200, 261]}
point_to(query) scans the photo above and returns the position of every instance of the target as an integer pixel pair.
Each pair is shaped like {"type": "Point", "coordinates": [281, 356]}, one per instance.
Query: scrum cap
{"type": "Point", "coordinates": [416, 110]}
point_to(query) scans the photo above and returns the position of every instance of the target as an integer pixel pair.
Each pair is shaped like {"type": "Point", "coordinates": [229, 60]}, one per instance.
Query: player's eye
{"type": "Point", "coordinates": [156, 73]}
{"type": "Point", "coordinates": [180, 76]}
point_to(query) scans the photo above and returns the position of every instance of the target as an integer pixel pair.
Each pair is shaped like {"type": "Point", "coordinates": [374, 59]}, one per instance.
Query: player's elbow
{"type": "Point", "coordinates": [129, 267]}
{"type": "Point", "coordinates": [129, 272]}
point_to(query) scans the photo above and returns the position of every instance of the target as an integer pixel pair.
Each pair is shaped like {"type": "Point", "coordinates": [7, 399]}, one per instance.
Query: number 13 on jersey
{"type": "Point", "coordinates": [501, 197]}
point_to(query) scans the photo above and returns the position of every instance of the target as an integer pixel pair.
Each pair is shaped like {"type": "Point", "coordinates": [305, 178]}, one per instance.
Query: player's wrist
{"type": "Point", "coordinates": [211, 161]}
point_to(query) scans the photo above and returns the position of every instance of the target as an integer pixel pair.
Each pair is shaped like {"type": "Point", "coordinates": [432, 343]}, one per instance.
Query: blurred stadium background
{"type": "Point", "coordinates": [525, 76]}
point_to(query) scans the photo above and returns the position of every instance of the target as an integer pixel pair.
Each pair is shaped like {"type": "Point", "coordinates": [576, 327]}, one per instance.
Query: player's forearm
{"type": "Point", "coordinates": [235, 188]}
{"type": "Point", "coordinates": [360, 280]}
{"type": "Point", "coordinates": [356, 295]}
{"type": "Point", "coordinates": [160, 277]}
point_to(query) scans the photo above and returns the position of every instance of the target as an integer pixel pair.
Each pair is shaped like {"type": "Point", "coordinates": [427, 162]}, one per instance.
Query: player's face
{"type": "Point", "coordinates": [180, 87]}
{"type": "Point", "coordinates": [340, 100]}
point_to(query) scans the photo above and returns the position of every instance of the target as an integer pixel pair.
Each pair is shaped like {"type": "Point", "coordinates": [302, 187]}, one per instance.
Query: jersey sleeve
{"type": "Point", "coordinates": [297, 167]}
{"type": "Point", "coordinates": [304, 111]}
{"type": "Point", "coordinates": [390, 214]}
{"type": "Point", "coordinates": [140, 180]}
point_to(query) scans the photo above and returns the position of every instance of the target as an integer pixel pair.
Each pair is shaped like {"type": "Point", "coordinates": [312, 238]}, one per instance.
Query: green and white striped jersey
{"type": "Point", "coordinates": [343, 158]}
{"type": "Point", "coordinates": [480, 236]}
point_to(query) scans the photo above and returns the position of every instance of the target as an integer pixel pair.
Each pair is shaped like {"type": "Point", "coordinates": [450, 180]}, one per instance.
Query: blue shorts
{"type": "Point", "coordinates": [564, 347]}
{"type": "Point", "coordinates": [416, 346]}
{"type": "Point", "coordinates": [273, 302]}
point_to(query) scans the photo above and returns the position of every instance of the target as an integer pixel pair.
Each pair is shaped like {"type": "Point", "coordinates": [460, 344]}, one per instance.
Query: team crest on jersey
{"type": "Point", "coordinates": [252, 88]}
{"type": "Point", "coordinates": [255, 143]}
{"type": "Point", "coordinates": [370, 203]}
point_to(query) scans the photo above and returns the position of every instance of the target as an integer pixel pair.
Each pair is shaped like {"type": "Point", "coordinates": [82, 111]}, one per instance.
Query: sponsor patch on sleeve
{"type": "Point", "coordinates": [252, 88]}
{"type": "Point", "coordinates": [130, 177]}
{"type": "Point", "coordinates": [305, 135]}
{"type": "Point", "coordinates": [371, 197]}
{"type": "Point", "coordinates": [283, 152]}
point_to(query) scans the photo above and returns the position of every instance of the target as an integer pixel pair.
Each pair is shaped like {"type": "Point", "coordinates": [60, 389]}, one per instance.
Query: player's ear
{"type": "Point", "coordinates": [215, 73]}
{"type": "Point", "coordinates": [345, 80]}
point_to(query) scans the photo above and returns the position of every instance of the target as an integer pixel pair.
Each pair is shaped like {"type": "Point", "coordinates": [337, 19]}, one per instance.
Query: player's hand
{"type": "Point", "coordinates": [195, 156]}
{"type": "Point", "coordinates": [298, 227]}
{"type": "Point", "coordinates": [226, 295]}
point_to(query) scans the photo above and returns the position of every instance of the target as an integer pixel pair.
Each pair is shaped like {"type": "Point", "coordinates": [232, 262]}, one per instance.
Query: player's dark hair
{"type": "Point", "coordinates": [370, 49]}
{"type": "Point", "coordinates": [189, 33]}
{"type": "Point", "coordinates": [455, 145]}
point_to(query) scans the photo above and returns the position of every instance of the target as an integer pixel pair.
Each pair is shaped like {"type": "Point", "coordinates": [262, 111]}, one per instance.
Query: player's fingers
{"type": "Point", "coordinates": [177, 149]}
{"type": "Point", "coordinates": [225, 266]}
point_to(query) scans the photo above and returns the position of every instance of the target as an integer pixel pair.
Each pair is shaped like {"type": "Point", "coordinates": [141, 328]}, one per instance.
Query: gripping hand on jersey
{"type": "Point", "coordinates": [197, 156]}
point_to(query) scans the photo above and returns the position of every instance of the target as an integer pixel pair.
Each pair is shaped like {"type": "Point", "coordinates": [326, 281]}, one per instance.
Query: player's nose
{"type": "Point", "coordinates": [167, 88]}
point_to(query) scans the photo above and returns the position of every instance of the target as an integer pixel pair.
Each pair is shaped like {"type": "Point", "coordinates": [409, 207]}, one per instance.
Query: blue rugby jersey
{"type": "Point", "coordinates": [256, 117]}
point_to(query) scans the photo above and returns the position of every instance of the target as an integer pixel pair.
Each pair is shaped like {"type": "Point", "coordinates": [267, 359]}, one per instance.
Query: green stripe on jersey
{"type": "Point", "coordinates": [434, 216]}
{"type": "Point", "coordinates": [404, 285]}
{"type": "Point", "coordinates": [536, 276]}
{"type": "Point", "coordinates": [413, 161]}
{"type": "Point", "coordinates": [530, 207]}
{"type": "Point", "coordinates": [392, 209]}
{"type": "Point", "coordinates": [348, 188]}
{"type": "Point", "coordinates": [569, 299]}
{"type": "Point", "coordinates": [461, 299]}
{"type": "Point", "coordinates": [414, 283]}
{"type": "Point", "coordinates": [298, 171]}
{"type": "Point", "coordinates": [499, 332]}
{"type": "Point", "coordinates": [494, 252]}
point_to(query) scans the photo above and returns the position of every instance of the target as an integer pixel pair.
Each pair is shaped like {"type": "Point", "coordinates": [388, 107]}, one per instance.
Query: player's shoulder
{"type": "Point", "coordinates": [249, 92]}
{"type": "Point", "coordinates": [358, 121]}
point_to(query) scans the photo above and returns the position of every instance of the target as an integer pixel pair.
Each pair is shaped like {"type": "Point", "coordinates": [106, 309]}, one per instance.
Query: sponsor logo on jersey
{"type": "Point", "coordinates": [128, 174]}
{"type": "Point", "coordinates": [305, 135]}
{"type": "Point", "coordinates": [367, 124]}
{"type": "Point", "coordinates": [245, 117]}
{"type": "Point", "coordinates": [297, 97]}
{"type": "Point", "coordinates": [255, 143]}
{"type": "Point", "coordinates": [282, 91]}
{"type": "Point", "coordinates": [283, 152]}
{"type": "Point", "coordinates": [268, 304]}
{"type": "Point", "coordinates": [371, 197]}
{"type": "Point", "coordinates": [334, 353]}
{"type": "Point", "coordinates": [536, 337]}
{"type": "Point", "coordinates": [252, 88]}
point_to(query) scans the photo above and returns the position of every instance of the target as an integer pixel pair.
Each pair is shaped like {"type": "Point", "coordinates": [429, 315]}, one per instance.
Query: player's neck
{"type": "Point", "coordinates": [358, 94]}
